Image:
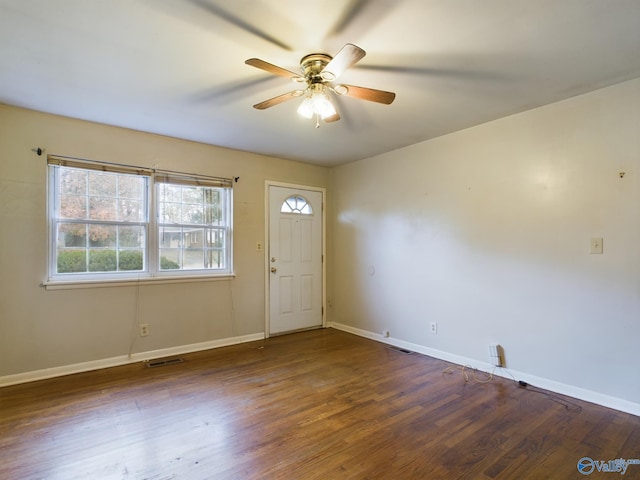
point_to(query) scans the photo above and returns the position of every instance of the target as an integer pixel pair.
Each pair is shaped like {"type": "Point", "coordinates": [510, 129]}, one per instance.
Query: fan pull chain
{"type": "Point", "coordinates": [317, 120]}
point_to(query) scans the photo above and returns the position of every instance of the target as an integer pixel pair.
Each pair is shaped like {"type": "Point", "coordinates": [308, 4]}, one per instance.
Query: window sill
{"type": "Point", "coordinates": [70, 285]}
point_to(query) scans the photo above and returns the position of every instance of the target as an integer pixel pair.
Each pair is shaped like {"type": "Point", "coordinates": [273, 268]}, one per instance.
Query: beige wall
{"type": "Point", "coordinates": [487, 232]}
{"type": "Point", "coordinates": [42, 329]}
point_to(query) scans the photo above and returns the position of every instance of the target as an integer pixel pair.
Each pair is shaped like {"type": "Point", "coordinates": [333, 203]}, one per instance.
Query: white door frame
{"type": "Point", "coordinates": [267, 276]}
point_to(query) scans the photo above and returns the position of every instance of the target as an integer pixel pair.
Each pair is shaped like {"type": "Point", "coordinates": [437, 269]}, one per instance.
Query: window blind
{"type": "Point", "coordinates": [100, 166]}
{"type": "Point", "coordinates": [162, 176]}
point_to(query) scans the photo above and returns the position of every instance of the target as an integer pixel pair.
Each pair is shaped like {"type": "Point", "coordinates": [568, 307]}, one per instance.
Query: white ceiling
{"type": "Point", "coordinates": [176, 67]}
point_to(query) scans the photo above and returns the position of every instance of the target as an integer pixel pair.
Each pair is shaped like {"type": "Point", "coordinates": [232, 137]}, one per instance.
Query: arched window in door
{"type": "Point", "coordinates": [296, 204]}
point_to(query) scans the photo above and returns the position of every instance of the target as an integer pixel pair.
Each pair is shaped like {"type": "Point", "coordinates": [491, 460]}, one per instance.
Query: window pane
{"type": "Point", "coordinates": [170, 259]}
{"type": "Point", "coordinates": [130, 186]}
{"type": "Point", "coordinates": [102, 260]}
{"type": "Point", "coordinates": [71, 235]}
{"type": "Point", "coordinates": [169, 193]}
{"type": "Point", "coordinates": [109, 260]}
{"type": "Point", "coordinates": [213, 212]}
{"type": "Point", "coordinates": [73, 207]}
{"type": "Point", "coordinates": [170, 237]}
{"type": "Point", "coordinates": [201, 214]}
{"type": "Point", "coordinates": [131, 237]}
{"type": "Point", "coordinates": [215, 238]}
{"type": "Point", "coordinates": [102, 235]}
{"type": "Point", "coordinates": [191, 195]}
{"type": "Point", "coordinates": [131, 210]}
{"type": "Point", "coordinates": [193, 237]}
{"type": "Point", "coordinates": [171, 213]}
{"type": "Point", "coordinates": [171, 242]}
{"type": "Point", "coordinates": [189, 248]}
{"type": "Point", "coordinates": [102, 208]}
{"type": "Point", "coordinates": [193, 260]}
{"type": "Point", "coordinates": [110, 248]}
{"type": "Point", "coordinates": [214, 259]}
{"type": "Point", "coordinates": [131, 260]}
{"type": "Point", "coordinates": [71, 261]}
{"type": "Point", "coordinates": [296, 204]}
{"type": "Point", "coordinates": [193, 206]}
{"type": "Point", "coordinates": [102, 196]}
{"type": "Point", "coordinates": [103, 184]}
{"type": "Point", "coordinates": [73, 181]}
{"type": "Point", "coordinates": [191, 214]}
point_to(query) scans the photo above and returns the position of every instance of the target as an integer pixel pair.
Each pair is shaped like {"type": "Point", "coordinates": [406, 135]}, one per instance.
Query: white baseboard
{"type": "Point", "coordinates": [124, 359]}
{"type": "Point", "coordinates": [544, 383]}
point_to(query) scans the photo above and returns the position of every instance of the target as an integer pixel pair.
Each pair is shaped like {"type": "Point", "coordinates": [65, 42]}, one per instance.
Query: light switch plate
{"type": "Point", "coordinates": [596, 245]}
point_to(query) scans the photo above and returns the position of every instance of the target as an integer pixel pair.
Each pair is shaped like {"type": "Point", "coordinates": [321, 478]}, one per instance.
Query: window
{"type": "Point", "coordinates": [115, 222]}
{"type": "Point", "coordinates": [296, 204]}
{"type": "Point", "coordinates": [192, 224]}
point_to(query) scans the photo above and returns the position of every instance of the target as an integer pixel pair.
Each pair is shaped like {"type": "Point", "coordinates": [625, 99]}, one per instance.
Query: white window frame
{"type": "Point", "coordinates": [151, 264]}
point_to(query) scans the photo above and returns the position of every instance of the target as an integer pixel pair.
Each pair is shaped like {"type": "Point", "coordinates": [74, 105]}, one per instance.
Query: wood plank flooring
{"type": "Point", "coordinates": [320, 404]}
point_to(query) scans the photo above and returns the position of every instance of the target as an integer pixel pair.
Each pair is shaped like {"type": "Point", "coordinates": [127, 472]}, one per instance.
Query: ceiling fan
{"type": "Point", "coordinates": [319, 74]}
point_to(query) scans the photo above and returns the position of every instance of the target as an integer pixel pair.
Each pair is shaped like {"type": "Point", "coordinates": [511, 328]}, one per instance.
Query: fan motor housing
{"type": "Point", "coordinates": [313, 64]}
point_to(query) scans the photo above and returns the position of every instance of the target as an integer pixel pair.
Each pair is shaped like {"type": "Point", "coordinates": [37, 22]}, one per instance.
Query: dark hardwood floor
{"type": "Point", "coordinates": [321, 404]}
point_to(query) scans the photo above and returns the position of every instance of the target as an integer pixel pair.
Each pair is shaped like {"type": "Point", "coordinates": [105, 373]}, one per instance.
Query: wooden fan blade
{"type": "Point", "coordinates": [346, 57]}
{"type": "Point", "coordinates": [333, 118]}
{"type": "Point", "coordinates": [360, 18]}
{"type": "Point", "coordinates": [269, 67]}
{"type": "Point", "coordinates": [370, 94]}
{"type": "Point", "coordinates": [278, 100]}
{"type": "Point", "coordinates": [239, 22]}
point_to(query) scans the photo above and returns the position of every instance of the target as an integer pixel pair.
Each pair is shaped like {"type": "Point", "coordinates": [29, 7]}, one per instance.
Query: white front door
{"type": "Point", "coordinates": [295, 259]}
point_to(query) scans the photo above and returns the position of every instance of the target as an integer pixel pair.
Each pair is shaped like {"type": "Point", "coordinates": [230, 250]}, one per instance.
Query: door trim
{"type": "Point", "coordinates": [267, 278]}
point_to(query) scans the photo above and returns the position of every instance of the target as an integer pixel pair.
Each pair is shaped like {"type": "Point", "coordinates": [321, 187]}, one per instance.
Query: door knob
{"type": "Point", "coordinates": [274, 269]}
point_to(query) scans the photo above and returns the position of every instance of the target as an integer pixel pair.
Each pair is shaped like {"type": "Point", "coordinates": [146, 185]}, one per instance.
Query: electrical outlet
{"type": "Point", "coordinates": [434, 328]}
{"type": "Point", "coordinates": [144, 329]}
{"type": "Point", "coordinates": [259, 247]}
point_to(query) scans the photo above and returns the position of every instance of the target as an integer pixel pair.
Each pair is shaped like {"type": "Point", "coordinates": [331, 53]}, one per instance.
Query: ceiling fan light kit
{"type": "Point", "coordinates": [319, 70]}
{"type": "Point", "coordinates": [317, 103]}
